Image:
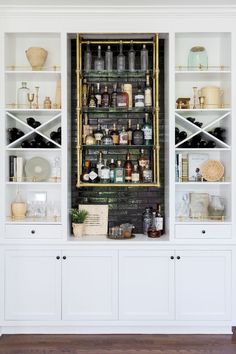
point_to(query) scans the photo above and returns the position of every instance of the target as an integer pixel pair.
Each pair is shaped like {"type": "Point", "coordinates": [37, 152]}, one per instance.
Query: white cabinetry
{"type": "Point", "coordinates": [32, 285]}
{"type": "Point", "coordinates": [146, 285]}
{"type": "Point", "coordinates": [203, 285]}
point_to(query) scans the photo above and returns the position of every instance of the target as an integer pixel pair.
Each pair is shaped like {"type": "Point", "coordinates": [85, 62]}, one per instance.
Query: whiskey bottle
{"type": "Point", "coordinates": [107, 139]}
{"type": "Point", "coordinates": [128, 166]}
{"type": "Point", "coordinates": [105, 98]}
{"type": "Point", "coordinates": [109, 59]}
{"type": "Point", "coordinates": [139, 98]}
{"type": "Point", "coordinates": [138, 136]}
{"type": "Point", "coordinates": [152, 231]}
{"type": "Point", "coordinates": [114, 96]}
{"type": "Point", "coordinates": [142, 163]}
{"type": "Point", "coordinates": [87, 58]}
{"type": "Point", "coordinates": [123, 137]}
{"type": "Point", "coordinates": [135, 176]}
{"type": "Point", "coordinates": [112, 167]}
{"type": "Point", "coordinates": [99, 61]}
{"type": "Point", "coordinates": [93, 174]}
{"type": "Point", "coordinates": [98, 134]}
{"type": "Point", "coordinates": [115, 135]}
{"type": "Point", "coordinates": [100, 164]}
{"type": "Point", "coordinates": [90, 139]}
{"type": "Point", "coordinates": [148, 92]}
{"type": "Point", "coordinates": [159, 219]}
{"type": "Point", "coordinates": [119, 173]}
{"type": "Point", "coordinates": [131, 57]}
{"type": "Point", "coordinates": [121, 59]}
{"type": "Point", "coordinates": [130, 132]}
{"type": "Point", "coordinates": [147, 130]}
{"type": "Point", "coordinates": [147, 174]}
{"type": "Point", "coordinates": [86, 128]}
{"type": "Point", "coordinates": [84, 93]}
{"type": "Point", "coordinates": [144, 58]}
{"type": "Point", "coordinates": [122, 98]}
{"type": "Point", "coordinates": [105, 173]}
{"type": "Point", "coordinates": [92, 101]}
{"type": "Point", "coordinates": [86, 170]}
{"type": "Point", "coordinates": [98, 95]}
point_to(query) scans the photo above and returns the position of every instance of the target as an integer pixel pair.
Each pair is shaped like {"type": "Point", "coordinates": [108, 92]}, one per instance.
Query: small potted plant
{"type": "Point", "coordinates": [78, 218]}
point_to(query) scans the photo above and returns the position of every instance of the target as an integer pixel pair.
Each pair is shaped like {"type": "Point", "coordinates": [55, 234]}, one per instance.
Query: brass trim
{"type": "Point", "coordinates": [116, 42]}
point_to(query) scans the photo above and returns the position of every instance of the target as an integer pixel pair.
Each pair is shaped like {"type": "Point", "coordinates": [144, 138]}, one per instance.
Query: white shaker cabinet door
{"type": "Point", "coordinates": [203, 285]}
{"type": "Point", "coordinates": [89, 285]}
{"type": "Point", "coordinates": [146, 280]}
{"type": "Point", "coordinates": [32, 285]}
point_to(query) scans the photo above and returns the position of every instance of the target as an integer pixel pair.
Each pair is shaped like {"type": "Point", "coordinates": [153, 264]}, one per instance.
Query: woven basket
{"type": "Point", "coordinates": [212, 170]}
{"type": "Point", "coordinates": [37, 57]}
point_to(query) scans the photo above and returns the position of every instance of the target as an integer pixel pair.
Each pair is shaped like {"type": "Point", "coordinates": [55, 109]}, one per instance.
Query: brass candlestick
{"type": "Point", "coordinates": [202, 101]}
{"type": "Point", "coordinates": [194, 97]}
{"type": "Point", "coordinates": [37, 97]}
{"type": "Point", "coordinates": [30, 97]}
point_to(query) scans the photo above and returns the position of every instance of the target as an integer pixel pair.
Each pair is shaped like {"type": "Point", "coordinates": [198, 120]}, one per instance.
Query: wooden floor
{"type": "Point", "coordinates": [118, 344]}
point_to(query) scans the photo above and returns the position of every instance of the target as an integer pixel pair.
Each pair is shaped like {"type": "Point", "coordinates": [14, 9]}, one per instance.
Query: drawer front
{"type": "Point", "coordinates": [203, 231]}
{"type": "Point", "coordinates": [33, 231]}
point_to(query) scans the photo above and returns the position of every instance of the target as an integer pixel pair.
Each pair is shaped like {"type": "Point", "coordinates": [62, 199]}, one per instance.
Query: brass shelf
{"type": "Point", "coordinates": [152, 184]}
{"type": "Point", "coordinates": [101, 110]}
{"type": "Point", "coordinates": [118, 146]}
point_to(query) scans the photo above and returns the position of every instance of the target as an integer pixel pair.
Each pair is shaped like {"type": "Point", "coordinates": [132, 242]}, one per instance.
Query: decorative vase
{"type": "Point", "coordinates": [78, 230]}
{"type": "Point", "coordinates": [18, 210]}
{"type": "Point", "coordinates": [37, 57]}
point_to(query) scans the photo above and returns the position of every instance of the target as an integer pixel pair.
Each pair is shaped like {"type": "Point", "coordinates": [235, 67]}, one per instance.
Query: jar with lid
{"type": "Point", "coordinates": [22, 96]}
{"type": "Point", "coordinates": [197, 58]}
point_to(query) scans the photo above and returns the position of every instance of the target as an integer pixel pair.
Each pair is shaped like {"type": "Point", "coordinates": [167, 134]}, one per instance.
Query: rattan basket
{"type": "Point", "coordinates": [212, 170]}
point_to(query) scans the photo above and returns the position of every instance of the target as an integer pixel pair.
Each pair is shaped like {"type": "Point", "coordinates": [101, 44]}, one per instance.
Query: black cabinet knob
{"type": "Point", "coordinates": [58, 257]}
{"type": "Point", "coordinates": [172, 257]}
{"type": "Point", "coordinates": [64, 257]}
{"type": "Point", "coordinates": [203, 232]}
{"type": "Point", "coordinates": [32, 231]}
{"type": "Point", "coordinates": [178, 257]}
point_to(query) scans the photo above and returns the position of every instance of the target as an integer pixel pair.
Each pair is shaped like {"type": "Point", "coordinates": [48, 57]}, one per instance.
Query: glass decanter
{"type": "Point", "coordinates": [87, 58]}
{"type": "Point", "coordinates": [121, 59]}
{"type": "Point", "coordinates": [131, 57]}
{"type": "Point", "coordinates": [22, 96]}
{"type": "Point", "coordinates": [99, 61]}
{"type": "Point", "coordinates": [109, 59]}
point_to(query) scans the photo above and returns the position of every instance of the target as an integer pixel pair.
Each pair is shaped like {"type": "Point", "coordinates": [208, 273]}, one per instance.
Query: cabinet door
{"type": "Point", "coordinates": [203, 282]}
{"type": "Point", "coordinates": [32, 285]}
{"type": "Point", "coordinates": [89, 285]}
{"type": "Point", "coordinates": [146, 285]}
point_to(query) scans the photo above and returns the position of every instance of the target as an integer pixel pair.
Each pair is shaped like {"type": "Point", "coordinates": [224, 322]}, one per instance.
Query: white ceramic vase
{"type": "Point", "coordinates": [77, 230]}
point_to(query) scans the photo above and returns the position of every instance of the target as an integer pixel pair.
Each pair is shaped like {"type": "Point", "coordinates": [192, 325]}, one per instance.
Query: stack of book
{"type": "Point", "coordinates": [15, 169]}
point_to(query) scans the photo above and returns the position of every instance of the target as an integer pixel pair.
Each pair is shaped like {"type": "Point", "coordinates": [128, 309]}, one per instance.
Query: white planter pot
{"type": "Point", "coordinates": [78, 230]}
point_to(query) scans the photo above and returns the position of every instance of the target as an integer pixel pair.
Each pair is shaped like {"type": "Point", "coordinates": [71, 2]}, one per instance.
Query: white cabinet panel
{"type": "Point", "coordinates": [32, 285]}
{"type": "Point", "coordinates": [203, 290]}
{"type": "Point", "coordinates": [203, 231]}
{"type": "Point", "coordinates": [146, 280]}
{"type": "Point", "coordinates": [89, 285]}
{"type": "Point", "coordinates": [33, 231]}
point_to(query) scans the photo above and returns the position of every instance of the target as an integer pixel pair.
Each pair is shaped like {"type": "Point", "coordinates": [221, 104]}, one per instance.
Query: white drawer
{"type": "Point", "coordinates": [203, 231]}
{"type": "Point", "coordinates": [33, 231]}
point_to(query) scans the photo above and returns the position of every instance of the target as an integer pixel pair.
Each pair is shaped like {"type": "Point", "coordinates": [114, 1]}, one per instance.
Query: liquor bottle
{"type": "Point", "coordinates": [123, 137]}
{"type": "Point", "coordinates": [130, 132]}
{"type": "Point", "coordinates": [86, 171]}
{"type": "Point", "coordinates": [105, 173]}
{"type": "Point", "coordinates": [100, 164]}
{"type": "Point", "coordinates": [115, 135]}
{"type": "Point", "coordinates": [107, 139]}
{"type": "Point", "coordinates": [92, 101]}
{"type": "Point", "coordinates": [128, 88]}
{"type": "Point", "coordinates": [131, 57]}
{"type": "Point", "coordinates": [22, 96]}
{"type": "Point", "coordinates": [138, 136]}
{"type": "Point", "coordinates": [99, 61]}
{"type": "Point", "coordinates": [142, 163]}
{"type": "Point", "coordinates": [86, 128]}
{"type": "Point", "coordinates": [159, 219]}
{"type": "Point", "coordinates": [152, 231]}
{"type": "Point", "coordinates": [98, 95]}
{"type": "Point", "coordinates": [139, 98]}
{"type": "Point", "coordinates": [144, 58]}
{"type": "Point", "coordinates": [105, 98]}
{"type": "Point", "coordinates": [121, 59]}
{"type": "Point", "coordinates": [147, 130]}
{"type": "Point", "coordinates": [147, 219]}
{"type": "Point", "coordinates": [122, 98]}
{"type": "Point", "coordinates": [135, 176]}
{"type": "Point", "coordinates": [85, 90]}
{"type": "Point", "coordinates": [182, 135]}
{"type": "Point", "coordinates": [147, 174]}
{"type": "Point", "coordinates": [128, 166]}
{"type": "Point", "coordinates": [90, 139]}
{"type": "Point", "coordinates": [112, 167]}
{"type": "Point", "coordinates": [119, 173]}
{"type": "Point", "coordinates": [148, 92]}
{"type": "Point", "coordinates": [114, 96]}
{"type": "Point", "coordinates": [98, 134]}
{"type": "Point", "coordinates": [87, 58]}
{"type": "Point", "coordinates": [93, 174]}
{"type": "Point", "coordinates": [108, 59]}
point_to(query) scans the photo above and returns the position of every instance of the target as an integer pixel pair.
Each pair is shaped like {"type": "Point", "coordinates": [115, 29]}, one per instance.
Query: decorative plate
{"type": "Point", "coordinates": [212, 170]}
{"type": "Point", "coordinates": [37, 169]}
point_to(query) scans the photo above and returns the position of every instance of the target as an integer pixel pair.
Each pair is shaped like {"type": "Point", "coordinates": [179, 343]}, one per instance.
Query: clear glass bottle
{"type": "Point", "coordinates": [112, 167]}
{"type": "Point", "coordinates": [147, 219]}
{"type": "Point", "coordinates": [98, 134]}
{"type": "Point", "coordinates": [92, 101]}
{"type": "Point", "coordinates": [121, 59]}
{"type": "Point", "coordinates": [128, 167]}
{"type": "Point", "coordinates": [144, 58]}
{"type": "Point", "coordinates": [107, 139]}
{"type": "Point", "coordinates": [87, 58]}
{"type": "Point", "coordinates": [105, 98]}
{"type": "Point", "coordinates": [147, 130]}
{"type": "Point", "coordinates": [90, 139]}
{"type": "Point", "coordinates": [131, 57]}
{"type": "Point", "coordinates": [147, 174]}
{"type": "Point", "coordinates": [139, 98]}
{"type": "Point", "coordinates": [85, 91]}
{"type": "Point", "coordinates": [86, 127]}
{"type": "Point", "coordinates": [100, 163]}
{"type": "Point", "coordinates": [98, 95]}
{"type": "Point", "coordinates": [122, 98]}
{"type": "Point", "coordinates": [22, 96]}
{"type": "Point", "coordinates": [138, 136]}
{"type": "Point", "coordinates": [123, 137]}
{"type": "Point", "coordinates": [109, 59]}
{"type": "Point", "coordinates": [197, 59]}
{"type": "Point", "coordinates": [159, 219]}
{"type": "Point", "coordinates": [135, 176]}
{"type": "Point", "coordinates": [119, 173]}
{"type": "Point", "coordinates": [115, 135]}
{"type": "Point", "coordinates": [130, 132]}
{"type": "Point", "coordinates": [99, 61]}
{"type": "Point", "coordinates": [114, 96]}
{"type": "Point", "coordinates": [105, 173]}
{"type": "Point", "coordinates": [148, 92]}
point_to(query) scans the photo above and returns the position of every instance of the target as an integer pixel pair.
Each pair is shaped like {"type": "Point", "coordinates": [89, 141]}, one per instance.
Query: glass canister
{"type": "Point", "coordinates": [197, 59]}
{"type": "Point", "coordinates": [22, 96]}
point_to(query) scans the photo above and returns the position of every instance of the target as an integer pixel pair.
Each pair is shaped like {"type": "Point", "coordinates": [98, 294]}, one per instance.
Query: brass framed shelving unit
{"type": "Point", "coordinates": [111, 77]}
